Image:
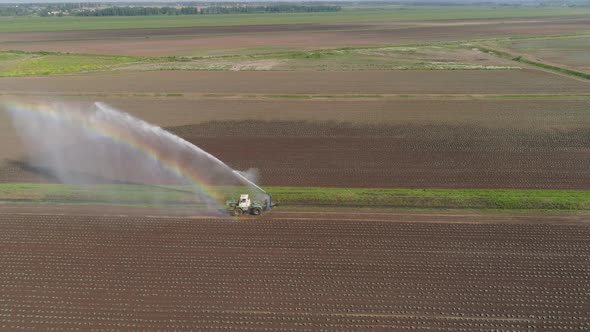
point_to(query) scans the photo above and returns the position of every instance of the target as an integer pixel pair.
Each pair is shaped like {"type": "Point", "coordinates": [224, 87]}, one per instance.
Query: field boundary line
{"type": "Point", "coordinates": [550, 68]}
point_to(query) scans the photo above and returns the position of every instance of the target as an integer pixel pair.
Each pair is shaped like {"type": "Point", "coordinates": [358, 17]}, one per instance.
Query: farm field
{"type": "Point", "coordinates": [571, 52]}
{"type": "Point", "coordinates": [467, 142]}
{"type": "Point", "coordinates": [422, 156]}
{"type": "Point", "coordinates": [228, 40]}
{"type": "Point", "coordinates": [293, 271]}
{"type": "Point", "coordinates": [431, 166]}
{"type": "Point", "coordinates": [526, 81]}
{"type": "Point", "coordinates": [182, 199]}
{"type": "Point", "coordinates": [17, 63]}
{"type": "Point", "coordinates": [355, 15]}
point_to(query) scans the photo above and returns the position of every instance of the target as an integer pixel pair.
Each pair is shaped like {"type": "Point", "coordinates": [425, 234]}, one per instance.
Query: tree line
{"type": "Point", "coordinates": [147, 11]}
{"type": "Point", "coordinates": [15, 11]}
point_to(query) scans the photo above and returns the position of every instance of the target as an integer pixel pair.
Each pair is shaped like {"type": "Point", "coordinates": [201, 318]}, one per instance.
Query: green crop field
{"type": "Point", "coordinates": [550, 200]}
{"type": "Point", "coordinates": [24, 24]}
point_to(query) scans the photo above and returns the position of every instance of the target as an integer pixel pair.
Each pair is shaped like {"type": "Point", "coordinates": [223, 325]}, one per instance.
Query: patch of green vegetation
{"type": "Point", "coordinates": [409, 13]}
{"type": "Point", "coordinates": [7, 56]}
{"type": "Point", "coordinates": [8, 59]}
{"type": "Point", "coordinates": [435, 198]}
{"type": "Point", "coordinates": [15, 63]}
{"type": "Point", "coordinates": [498, 199]}
{"type": "Point", "coordinates": [44, 63]}
{"type": "Point", "coordinates": [417, 57]}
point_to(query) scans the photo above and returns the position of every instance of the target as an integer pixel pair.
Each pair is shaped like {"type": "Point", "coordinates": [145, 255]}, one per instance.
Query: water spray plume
{"type": "Point", "coordinates": [98, 142]}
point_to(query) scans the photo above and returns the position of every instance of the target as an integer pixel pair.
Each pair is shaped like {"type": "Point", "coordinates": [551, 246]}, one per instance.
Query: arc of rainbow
{"type": "Point", "coordinates": [114, 133]}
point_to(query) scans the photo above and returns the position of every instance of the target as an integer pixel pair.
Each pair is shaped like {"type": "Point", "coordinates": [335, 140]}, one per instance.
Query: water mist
{"type": "Point", "coordinates": [99, 144]}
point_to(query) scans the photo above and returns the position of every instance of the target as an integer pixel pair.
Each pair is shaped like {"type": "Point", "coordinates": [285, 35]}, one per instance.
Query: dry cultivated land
{"type": "Point", "coordinates": [225, 39]}
{"type": "Point", "coordinates": [294, 272]}
{"type": "Point", "coordinates": [354, 122]}
{"type": "Point", "coordinates": [405, 128]}
{"type": "Point", "coordinates": [286, 83]}
{"type": "Point", "coordinates": [455, 98]}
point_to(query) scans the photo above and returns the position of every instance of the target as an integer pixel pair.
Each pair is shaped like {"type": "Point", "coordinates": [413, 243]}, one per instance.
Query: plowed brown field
{"type": "Point", "coordinates": [294, 272]}
{"type": "Point", "coordinates": [524, 81]}
{"type": "Point", "coordinates": [376, 143]}
{"type": "Point", "coordinates": [172, 41]}
{"type": "Point", "coordinates": [464, 133]}
{"type": "Point", "coordinates": [411, 156]}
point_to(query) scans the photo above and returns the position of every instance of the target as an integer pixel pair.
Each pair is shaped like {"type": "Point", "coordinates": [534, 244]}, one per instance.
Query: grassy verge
{"type": "Point", "coordinates": [436, 198]}
{"type": "Point", "coordinates": [554, 68]}
{"type": "Point", "coordinates": [497, 199]}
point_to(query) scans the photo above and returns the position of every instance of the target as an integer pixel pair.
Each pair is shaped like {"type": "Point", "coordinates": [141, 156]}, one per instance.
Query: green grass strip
{"type": "Point", "coordinates": [347, 15]}
{"type": "Point", "coordinates": [435, 198]}
{"type": "Point", "coordinates": [497, 199]}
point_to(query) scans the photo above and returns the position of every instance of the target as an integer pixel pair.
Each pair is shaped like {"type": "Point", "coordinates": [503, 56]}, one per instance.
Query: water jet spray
{"type": "Point", "coordinates": [101, 141]}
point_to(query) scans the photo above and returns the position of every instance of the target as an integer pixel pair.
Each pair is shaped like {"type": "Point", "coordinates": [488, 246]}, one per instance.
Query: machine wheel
{"type": "Point", "coordinates": [236, 212]}
{"type": "Point", "coordinates": [256, 211]}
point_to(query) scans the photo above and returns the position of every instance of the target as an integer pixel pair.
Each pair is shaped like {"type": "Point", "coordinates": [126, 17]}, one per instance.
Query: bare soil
{"type": "Point", "coordinates": [174, 41]}
{"type": "Point", "coordinates": [570, 52]}
{"type": "Point", "coordinates": [130, 33]}
{"type": "Point", "coordinates": [528, 113]}
{"type": "Point", "coordinates": [526, 81]}
{"type": "Point", "coordinates": [291, 272]}
{"type": "Point", "coordinates": [412, 156]}
{"type": "Point", "coordinates": [519, 143]}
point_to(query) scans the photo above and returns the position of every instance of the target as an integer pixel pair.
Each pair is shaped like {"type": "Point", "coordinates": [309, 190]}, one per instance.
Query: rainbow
{"type": "Point", "coordinates": [119, 135]}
